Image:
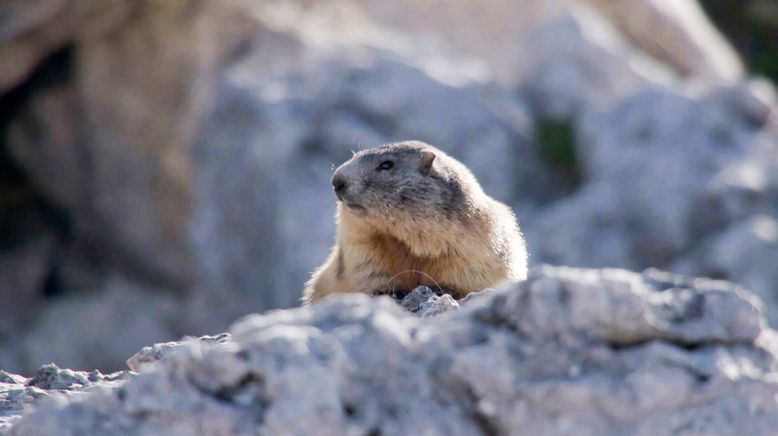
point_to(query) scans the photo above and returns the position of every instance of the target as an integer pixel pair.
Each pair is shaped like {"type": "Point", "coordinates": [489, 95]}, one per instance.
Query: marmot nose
{"type": "Point", "coordinates": [339, 183]}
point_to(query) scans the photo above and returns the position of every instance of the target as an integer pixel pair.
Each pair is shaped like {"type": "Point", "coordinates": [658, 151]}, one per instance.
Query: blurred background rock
{"type": "Point", "coordinates": [165, 164]}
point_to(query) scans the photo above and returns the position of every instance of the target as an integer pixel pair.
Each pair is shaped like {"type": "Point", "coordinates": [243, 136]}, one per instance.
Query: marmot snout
{"type": "Point", "coordinates": [410, 215]}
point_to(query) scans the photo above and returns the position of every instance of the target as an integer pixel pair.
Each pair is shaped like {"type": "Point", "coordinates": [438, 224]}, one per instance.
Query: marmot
{"type": "Point", "coordinates": [409, 215]}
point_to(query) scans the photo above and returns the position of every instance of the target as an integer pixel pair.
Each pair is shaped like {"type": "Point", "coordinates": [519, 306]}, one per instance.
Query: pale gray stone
{"type": "Point", "coordinates": [589, 352]}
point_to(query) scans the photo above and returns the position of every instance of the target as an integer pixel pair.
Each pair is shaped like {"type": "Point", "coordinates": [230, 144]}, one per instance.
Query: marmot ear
{"type": "Point", "coordinates": [427, 159]}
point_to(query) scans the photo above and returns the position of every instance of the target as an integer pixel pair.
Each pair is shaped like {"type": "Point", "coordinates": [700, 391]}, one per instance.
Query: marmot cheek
{"type": "Point", "coordinates": [405, 199]}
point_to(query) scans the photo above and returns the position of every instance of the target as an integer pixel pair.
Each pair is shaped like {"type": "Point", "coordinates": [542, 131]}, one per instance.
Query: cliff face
{"type": "Point", "coordinates": [164, 164]}
{"type": "Point", "coordinates": [590, 352]}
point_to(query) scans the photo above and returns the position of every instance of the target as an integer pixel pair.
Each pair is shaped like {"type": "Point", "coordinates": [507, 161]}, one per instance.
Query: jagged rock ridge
{"type": "Point", "coordinates": [589, 352]}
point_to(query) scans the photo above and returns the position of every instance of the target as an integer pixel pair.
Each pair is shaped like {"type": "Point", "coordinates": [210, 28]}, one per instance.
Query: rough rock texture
{"type": "Point", "coordinates": [174, 156]}
{"type": "Point", "coordinates": [18, 393]}
{"type": "Point", "coordinates": [148, 355]}
{"type": "Point", "coordinates": [424, 302]}
{"type": "Point", "coordinates": [589, 352]}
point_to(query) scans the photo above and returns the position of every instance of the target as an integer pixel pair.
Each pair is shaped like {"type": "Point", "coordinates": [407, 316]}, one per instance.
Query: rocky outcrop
{"type": "Point", "coordinates": [676, 32]}
{"type": "Point", "coordinates": [589, 352]}
{"type": "Point", "coordinates": [18, 393]}
{"type": "Point", "coordinates": [173, 157]}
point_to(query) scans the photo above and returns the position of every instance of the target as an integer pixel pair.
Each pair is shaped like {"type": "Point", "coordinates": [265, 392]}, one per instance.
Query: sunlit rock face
{"type": "Point", "coordinates": [165, 165]}
{"type": "Point", "coordinates": [591, 352]}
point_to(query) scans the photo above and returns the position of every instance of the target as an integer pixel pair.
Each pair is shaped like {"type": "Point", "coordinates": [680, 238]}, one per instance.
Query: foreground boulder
{"type": "Point", "coordinates": [570, 351]}
{"type": "Point", "coordinates": [17, 392]}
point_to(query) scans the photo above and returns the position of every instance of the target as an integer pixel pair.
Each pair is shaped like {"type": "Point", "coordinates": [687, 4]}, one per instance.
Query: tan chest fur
{"type": "Point", "coordinates": [384, 263]}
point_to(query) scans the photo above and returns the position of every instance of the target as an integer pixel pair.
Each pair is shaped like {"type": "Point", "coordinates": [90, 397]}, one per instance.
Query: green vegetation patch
{"type": "Point", "coordinates": [557, 143]}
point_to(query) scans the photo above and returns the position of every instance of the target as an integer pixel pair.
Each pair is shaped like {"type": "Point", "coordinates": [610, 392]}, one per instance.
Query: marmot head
{"type": "Point", "coordinates": [403, 179]}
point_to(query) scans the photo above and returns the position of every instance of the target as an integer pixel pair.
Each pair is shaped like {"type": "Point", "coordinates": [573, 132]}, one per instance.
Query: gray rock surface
{"type": "Point", "coordinates": [149, 355]}
{"type": "Point", "coordinates": [174, 157]}
{"type": "Point", "coordinates": [18, 393]}
{"type": "Point", "coordinates": [676, 32]}
{"type": "Point", "coordinates": [590, 352]}
{"type": "Point", "coordinates": [665, 173]}
{"type": "Point", "coordinates": [745, 252]}
{"type": "Point", "coordinates": [424, 302]}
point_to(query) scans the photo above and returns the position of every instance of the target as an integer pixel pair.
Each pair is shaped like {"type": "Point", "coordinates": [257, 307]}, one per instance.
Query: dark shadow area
{"type": "Point", "coordinates": [24, 212]}
{"type": "Point", "coordinates": [752, 27]}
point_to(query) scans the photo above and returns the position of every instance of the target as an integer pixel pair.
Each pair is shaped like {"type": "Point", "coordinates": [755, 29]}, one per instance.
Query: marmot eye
{"type": "Point", "coordinates": [385, 165]}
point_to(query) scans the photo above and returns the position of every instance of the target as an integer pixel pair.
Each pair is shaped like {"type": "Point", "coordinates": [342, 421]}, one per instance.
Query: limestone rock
{"type": "Point", "coordinates": [424, 302]}
{"type": "Point", "coordinates": [663, 170]}
{"type": "Point", "coordinates": [586, 351]}
{"type": "Point", "coordinates": [149, 355]}
{"type": "Point", "coordinates": [678, 33]}
{"type": "Point", "coordinates": [18, 393]}
{"type": "Point", "coordinates": [744, 253]}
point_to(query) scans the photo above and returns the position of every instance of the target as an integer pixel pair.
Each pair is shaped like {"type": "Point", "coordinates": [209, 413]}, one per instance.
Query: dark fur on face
{"type": "Point", "coordinates": [396, 178]}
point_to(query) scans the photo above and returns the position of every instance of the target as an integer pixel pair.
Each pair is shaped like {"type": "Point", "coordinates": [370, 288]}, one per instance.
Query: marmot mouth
{"type": "Point", "coordinates": [356, 207]}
